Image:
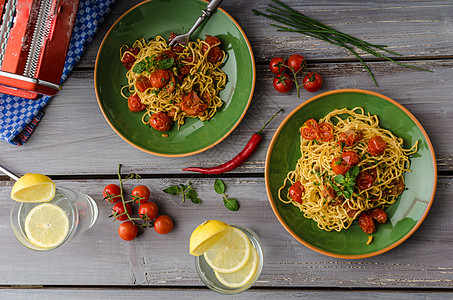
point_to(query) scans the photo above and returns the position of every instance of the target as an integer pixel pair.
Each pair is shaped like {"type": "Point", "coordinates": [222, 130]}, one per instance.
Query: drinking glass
{"type": "Point", "coordinates": [207, 275]}
{"type": "Point", "coordinates": [81, 209]}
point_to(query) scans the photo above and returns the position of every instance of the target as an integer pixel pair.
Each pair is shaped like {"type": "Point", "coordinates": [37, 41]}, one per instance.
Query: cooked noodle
{"type": "Point", "coordinates": [314, 171]}
{"type": "Point", "coordinates": [205, 78]}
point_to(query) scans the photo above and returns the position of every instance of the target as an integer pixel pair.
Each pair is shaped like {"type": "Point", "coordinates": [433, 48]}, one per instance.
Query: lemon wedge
{"type": "Point", "coordinates": [46, 225]}
{"type": "Point", "coordinates": [33, 188]}
{"type": "Point", "coordinates": [206, 235]}
{"type": "Point", "coordinates": [242, 276]}
{"type": "Point", "coordinates": [229, 254]}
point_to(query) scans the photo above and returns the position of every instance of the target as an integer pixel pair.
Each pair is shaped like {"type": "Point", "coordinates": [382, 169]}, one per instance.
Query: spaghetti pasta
{"type": "Point", "coordinates": [181, 81]}
{"type": "Point", "coordinates": [344, 174]}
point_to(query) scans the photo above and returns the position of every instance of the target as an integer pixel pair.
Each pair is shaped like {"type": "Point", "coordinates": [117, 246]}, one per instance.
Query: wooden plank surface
{"type": "Point", "coordinates": [70, 294]}
{"type": "Point", "coordinates": [74, 130]}
{"type": "Point", "coordinates": [100, 258]}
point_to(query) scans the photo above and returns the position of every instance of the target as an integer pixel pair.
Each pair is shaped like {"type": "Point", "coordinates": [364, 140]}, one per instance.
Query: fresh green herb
{"type": "Point", "coordinates": [187, 191]}
{"type": "Point", "coordinates": [347, 181]}
{"type": "Point", "coordinates": [294, 21]}
{"type": "Point", "coordinates": [166, 63]}
{"type": "Point", "coordinates": [342, 146]}
{"type": "Point", "coordinates": [139, 67]}
{"type": "Point", "coordinates": [338, 162]}
{"type": "Point", "coordinates": [230, 203]}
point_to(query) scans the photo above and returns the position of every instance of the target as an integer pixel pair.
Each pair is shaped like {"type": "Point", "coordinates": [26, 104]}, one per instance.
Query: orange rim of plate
{"type": "Point", "coordinates": [279, 217]}
{"type": "Point", "coordinates": [207, 147]}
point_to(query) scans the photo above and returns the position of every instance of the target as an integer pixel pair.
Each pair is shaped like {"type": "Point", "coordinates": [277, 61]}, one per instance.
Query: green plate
{"type": "Point", "coordinates": [405, 216]}
{"type": "Point", "coordinates": [161, 17]}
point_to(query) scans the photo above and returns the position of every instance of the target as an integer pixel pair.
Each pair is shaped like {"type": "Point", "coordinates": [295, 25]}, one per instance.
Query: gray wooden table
{"type": "Point", "coordinates": [75, 146]}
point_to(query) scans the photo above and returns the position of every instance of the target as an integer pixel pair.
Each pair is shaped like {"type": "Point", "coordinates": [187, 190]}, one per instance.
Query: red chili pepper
{"type": "Point", "coordinates": [238, 159]}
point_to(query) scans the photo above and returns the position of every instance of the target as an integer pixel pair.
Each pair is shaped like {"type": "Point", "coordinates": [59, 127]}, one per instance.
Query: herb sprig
{"type": "Point", "coordinates": [230, 203]}
{"type": "Point", "coordinates": [347, 181]}
{"type": "Point", "coordinates": [187, 191]}
{"type": "Point", "coordinates": [297, 22]}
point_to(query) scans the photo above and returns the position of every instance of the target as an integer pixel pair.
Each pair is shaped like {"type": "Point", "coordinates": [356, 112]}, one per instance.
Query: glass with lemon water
{"type": "Point", "coordinates": [228, 258]}
{"type": "Point", "coordinates": [45, 217]}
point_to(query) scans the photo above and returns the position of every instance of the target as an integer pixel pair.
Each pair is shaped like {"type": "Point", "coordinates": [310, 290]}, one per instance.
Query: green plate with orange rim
{"type": "Point", "coordinates": [160, 17]}
{"type": "Point", "coordinates": [404, 216]}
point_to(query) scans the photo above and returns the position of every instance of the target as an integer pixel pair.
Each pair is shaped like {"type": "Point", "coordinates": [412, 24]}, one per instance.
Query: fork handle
{"type": "Point", "coordinates": [207, 13]}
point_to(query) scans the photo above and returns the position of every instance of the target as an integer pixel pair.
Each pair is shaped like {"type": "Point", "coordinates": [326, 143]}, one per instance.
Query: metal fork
{"type": "Point", "coordinates": [184, 38]}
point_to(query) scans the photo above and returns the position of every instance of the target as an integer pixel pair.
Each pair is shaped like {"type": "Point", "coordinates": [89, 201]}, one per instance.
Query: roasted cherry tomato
{"type": "Point", "coordinates": [160, 78]}
{"type": "Point", "coordinates": [177, 48]}
{"type": "Point", "coordinates": [168, 54]}
{"type": "Point", "coordinates": [210, 41]}
{"type": "Point", "coordinates": [366, 178]}
{"type": "Point", "coordinates": [376, 146]}
{"type": "Point", "coordinates": [171, 85]}
{"type": "Point", "coordinates": [160, 121]}
{"type": "Point", "coordinates": [215, 55]}
{"type": "Point", "coordinates": [276, 65]}
{"type": "Point", "coordinates": [142, 83]}
{"type": "Point", "coordinates": [295, 191]}
{"type": "Point", "coordinates": [312, 82]}
{"type": "Point", "coordinates": [193, 105]}
{"type": "Point", "coordinates": [398, 187]}
{"type": "Point", "coordinates": [296, 61]}
{"type": "Point", "coordinates": [129, 57]}
{"type": "Point", "coordinates": [379, 215]}
{"type": "Point", "coordinates": [366, 223]}
{"type": "Point", "coordinates": [351, 137]}
{"type": "Point", "coordinates": [283, 83]}
{"type": "Point", "coordinates": [308, 130]}
{"type": "Point", "coordinates": [112, 193]}
{"type": "Point", "coordinates": [350, 157]}
{"type": "Point", "coordinates": [339, 166]}
{"type": "Point", "coordinates": [148, 211]}
{"type": "Point", "coordinates": [324, 132]}
{"type": "Point", "coordinates": [329, 192]}
{"type": "Point", "coordinates": [119, 212]}
{"type": "Point", "coordinates": [135, 103]}
{"type": "Point", "coordinates": [141, 194]}
{"type": "Point", "coordinates": [352, 212]}
{"type": "Point", "coordinates": [163, 224]}
{"type": "Point", "coordinates": [185, 70]}
{"type": "Point", "coordinates": [128, 231]}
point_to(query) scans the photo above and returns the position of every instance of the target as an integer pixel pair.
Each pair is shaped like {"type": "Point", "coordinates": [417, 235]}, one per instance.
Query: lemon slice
{"type": "Point", "coordinates": [46, 225]}
{"type": "Point", "coordinates": [206, 235]}
{"type": "Point", "coordinates": [33, 188]}
{"type": "Point", "coordinates": [242, 276]}
{"type": "Point", "coordinates": [229, 254]}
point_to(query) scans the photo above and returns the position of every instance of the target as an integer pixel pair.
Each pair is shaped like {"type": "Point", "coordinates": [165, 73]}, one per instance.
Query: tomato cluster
{"type": "Point", "coordinates": [147, 212]}
{"type": "Point", "coordinates": [283, 81]}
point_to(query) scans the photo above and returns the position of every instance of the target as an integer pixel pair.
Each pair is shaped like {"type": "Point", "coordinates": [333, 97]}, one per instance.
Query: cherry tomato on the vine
{"type": "Point", "coordinates": [128, 231]}
{"type": "Point", "coordinates": [296, 61]}
{"type": "Point", "coordinates": [112, 193]}
{"type": "Point", "coordinates": [163, 224]}
{"type": "Point", "coordinates": [148, 211]}
{"type": "Point", "coordinates": [283, 83]}
{"type": "Point", "coordinates": [275, 65]}
{"type": "Point", "coordinates": [119, 212]}
{"type": "Point", "coordinates": [141, 194]}
{"type": "Point", "coordinates": [312, 82]}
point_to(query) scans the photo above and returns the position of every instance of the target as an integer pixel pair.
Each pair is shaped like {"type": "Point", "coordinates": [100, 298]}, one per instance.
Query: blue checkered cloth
{"type": "Point", "coordinates": [19, 116]}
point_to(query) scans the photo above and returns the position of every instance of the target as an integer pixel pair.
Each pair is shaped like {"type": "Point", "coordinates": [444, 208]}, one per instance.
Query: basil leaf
{"type": "Point", "coordinates": [347, 194]}
{"type": "Point", "coordinates": [139, 67]}
{"type": "Point", "coordinates": [232, 204]}
{"type": "Point", "coordinates": [173, 190]}
{"type": "Point", "coordinates": [193, 196]}
{"type": "Point", "coordinates": [219, 186]}
{"type": "Point", "coordinates": [353, 172]}
{"type": "Point", "coordinates": [166, 63]}
{"type": "Point", "coordinates": [339, 179]}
